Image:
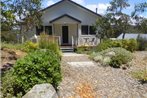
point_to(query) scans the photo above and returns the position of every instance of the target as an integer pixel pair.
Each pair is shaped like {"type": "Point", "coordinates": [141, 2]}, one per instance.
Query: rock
{"type": "Point", "coordinates": [41, 91]}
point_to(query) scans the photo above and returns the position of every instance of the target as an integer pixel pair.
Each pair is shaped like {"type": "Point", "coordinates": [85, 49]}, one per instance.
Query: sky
{"type": "Point", "coordinates": [100, 4]}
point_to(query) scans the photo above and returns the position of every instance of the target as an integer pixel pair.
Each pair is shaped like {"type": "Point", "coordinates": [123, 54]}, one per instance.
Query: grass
{"type": "Point", "coordinates": [12, 46]}
{"type": "Point", "coordinates": [141, 75]}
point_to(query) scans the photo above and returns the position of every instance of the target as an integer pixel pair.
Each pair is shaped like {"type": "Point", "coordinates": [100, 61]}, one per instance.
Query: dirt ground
{"type": "Point", "coordinates": [9, 56]}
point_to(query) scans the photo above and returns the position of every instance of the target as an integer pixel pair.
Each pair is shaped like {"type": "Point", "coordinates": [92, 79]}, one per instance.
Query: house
{"type": "Point", "coordinates": [70, 22]}
{"type": "Point", "coordinates": [132, 36]}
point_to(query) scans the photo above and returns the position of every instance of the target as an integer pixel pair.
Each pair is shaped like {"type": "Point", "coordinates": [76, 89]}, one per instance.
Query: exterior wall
{"type": "Point", "coordinates": [67, 7]}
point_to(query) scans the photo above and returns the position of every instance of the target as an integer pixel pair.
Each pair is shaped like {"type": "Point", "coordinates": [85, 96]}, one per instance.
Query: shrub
{"type": "Point", "coordinates": [46, 43]}
{"type": "Point", "coordinates": [114, 57]}
{"type": "Point", "coordinates": [103, 45]}
{"type": "Point", "coordinates": [140, 75]}
{"type": "Point", "coordinates": [36, 68]}
{"type": "Point", "coordinates": [55, 48]}
{"type": "Point", "coordinates": [30, 46]}
{"type": "Point", "coordinates": [8, 36]}
{"type": "Point", "coordinates": [84, 49]}
{"type": "Point", "coordinates": [130, 45]}
{"type": "Point", "coordinates": [142, 42]}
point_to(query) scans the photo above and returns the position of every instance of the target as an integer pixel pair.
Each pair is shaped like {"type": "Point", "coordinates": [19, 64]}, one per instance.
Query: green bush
{"type": "Point", "coordinates": [84, 49]}
{"type": "Point", "coordinates": [8, 36]}
{"type": "Point", "coordinates": [55, 48]}
{"type": "Point", "coordinates": [36, 68]}
{"type": "Point", "coordinates": [142, 42]}
{"type": "Point", "coordinates": [30, 46]}
{"type": "Point", "coordinates": [140, 75]}
{"type": "Point", "coordinates": [114, 57]}
{"type": "Point", "coordinates": [47, 42]}
{"type": "Point", "coordinates": [130, 44]}
{"type": "Point", "coordinates": [103, 46]}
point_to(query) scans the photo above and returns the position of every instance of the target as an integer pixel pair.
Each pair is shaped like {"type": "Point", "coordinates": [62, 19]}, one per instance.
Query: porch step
{"type": "Point", "coordinates": [67, 49]}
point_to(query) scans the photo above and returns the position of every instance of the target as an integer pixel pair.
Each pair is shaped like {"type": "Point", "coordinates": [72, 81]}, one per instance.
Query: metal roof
{"type": "Point", "coordinates": [132, 36]}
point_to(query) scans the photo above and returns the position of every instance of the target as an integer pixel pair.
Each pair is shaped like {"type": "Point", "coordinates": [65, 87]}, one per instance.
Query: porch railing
{"type": "Point", "coordinates": [87, 41]}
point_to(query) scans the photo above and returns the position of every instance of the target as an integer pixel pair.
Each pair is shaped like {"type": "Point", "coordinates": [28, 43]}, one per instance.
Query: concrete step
{"type": "Point", "coordinates": [67, 49]}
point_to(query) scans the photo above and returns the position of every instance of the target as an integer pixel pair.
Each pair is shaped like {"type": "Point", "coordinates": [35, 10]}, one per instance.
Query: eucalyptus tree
{"type": "Point", "coordinates": [118, 19]}
{"type": "Point", "coordinates": [139, 8]}
{"type": "Point", "coordinates": [141, 22]}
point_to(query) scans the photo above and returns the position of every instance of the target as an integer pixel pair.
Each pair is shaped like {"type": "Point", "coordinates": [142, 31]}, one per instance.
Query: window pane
{"type": "Point", "coordinates": [48, 30]}
{"type": "Point", "coordinates": [39, 30]}
{"type": "Point", "coordinates": [85, 30]}
{"type": "Point", "coordinates": [92, 30]}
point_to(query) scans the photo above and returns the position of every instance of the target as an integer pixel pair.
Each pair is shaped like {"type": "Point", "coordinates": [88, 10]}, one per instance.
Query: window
{"type": "Point", "coordinates": [85, 29]}
{"type": "Point", "coordinates": [48, 30]}
{"type": "Point", "coordinates": [88, 30]}
{"type": "Point", "coordinates": [92, 30]}
{"type": "Point", "coordinates": [39, 30]}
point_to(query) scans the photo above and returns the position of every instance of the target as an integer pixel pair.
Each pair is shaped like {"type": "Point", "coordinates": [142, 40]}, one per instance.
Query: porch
{"type": "Point", "coordinates": [69, 31]}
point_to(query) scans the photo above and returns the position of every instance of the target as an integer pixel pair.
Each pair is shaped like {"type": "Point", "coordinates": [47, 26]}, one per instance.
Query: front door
{"type": "Point", "coordinates": [65, 34]}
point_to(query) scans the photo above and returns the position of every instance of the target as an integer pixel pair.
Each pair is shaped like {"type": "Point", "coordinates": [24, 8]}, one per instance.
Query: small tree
{"type": "Point", "coordinates": [103, 28]}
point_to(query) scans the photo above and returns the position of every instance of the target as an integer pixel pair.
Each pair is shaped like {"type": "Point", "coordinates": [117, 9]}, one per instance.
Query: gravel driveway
{"type": "Point", "coordinates": [107, 82]}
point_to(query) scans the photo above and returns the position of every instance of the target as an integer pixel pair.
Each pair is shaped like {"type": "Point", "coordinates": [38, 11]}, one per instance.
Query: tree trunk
{"type": "Point", "coordinates": [123, 35]}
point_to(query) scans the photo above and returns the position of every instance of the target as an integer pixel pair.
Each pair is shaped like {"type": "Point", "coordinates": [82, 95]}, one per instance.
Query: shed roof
{"type": "Point", "coordinates": [132, 36]}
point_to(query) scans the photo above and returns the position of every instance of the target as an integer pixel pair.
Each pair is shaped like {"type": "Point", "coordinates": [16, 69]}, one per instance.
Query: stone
{"type": "Point", "coordinates": [41, 91]}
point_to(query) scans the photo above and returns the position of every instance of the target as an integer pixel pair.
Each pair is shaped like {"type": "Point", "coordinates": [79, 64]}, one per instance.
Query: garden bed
{"type": "Point", "coordinates": [9, 56]}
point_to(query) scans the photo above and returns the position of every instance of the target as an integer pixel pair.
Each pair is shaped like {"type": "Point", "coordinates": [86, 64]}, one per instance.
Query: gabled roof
{"type": "Point", "coordinates": [74, 4]}
{"type": "Point", "coordinates": [65, 15]}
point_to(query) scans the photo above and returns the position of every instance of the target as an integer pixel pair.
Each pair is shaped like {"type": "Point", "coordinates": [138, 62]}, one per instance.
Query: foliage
{"type": "Point", "coordinates": [30, 46]}
{"type": "Point", "coordinates": [12, 46]}
{"type": "Point", "coordinates": [47, 43]}
{"type": "Point", "coordinates": [128, 44]}
{"type": "Point", "coordinates": [84, 49]}
{"type": "Point", "coordinates": [36, 68]}
{"type": "Point", "coordinates": [27, 46]}
{"type": "Point", "coordinates": [30, 10]}
{"type": "Point", "coordinates": [140, 75]}
{"type": "Point", "coordinates": [9, 37]}
{"type": "Point", "coordinates": [142, 43]}
{"type": "Point", "coordinates": [143, 26]}
{"type": "Point", "coordinates": [139, 8]}
{"type": "Point", "coordinates": [114, 57]}
{"type": "Point", "coordinates": [103, 28]}
{"type": "Point", "coordinates": [8, 17]}
{"type": "Point", "coordinates": [116, 16]}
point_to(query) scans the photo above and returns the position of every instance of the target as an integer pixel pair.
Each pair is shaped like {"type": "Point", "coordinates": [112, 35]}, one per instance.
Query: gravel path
{"type": "Point", "coordinates": [106, 82]}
